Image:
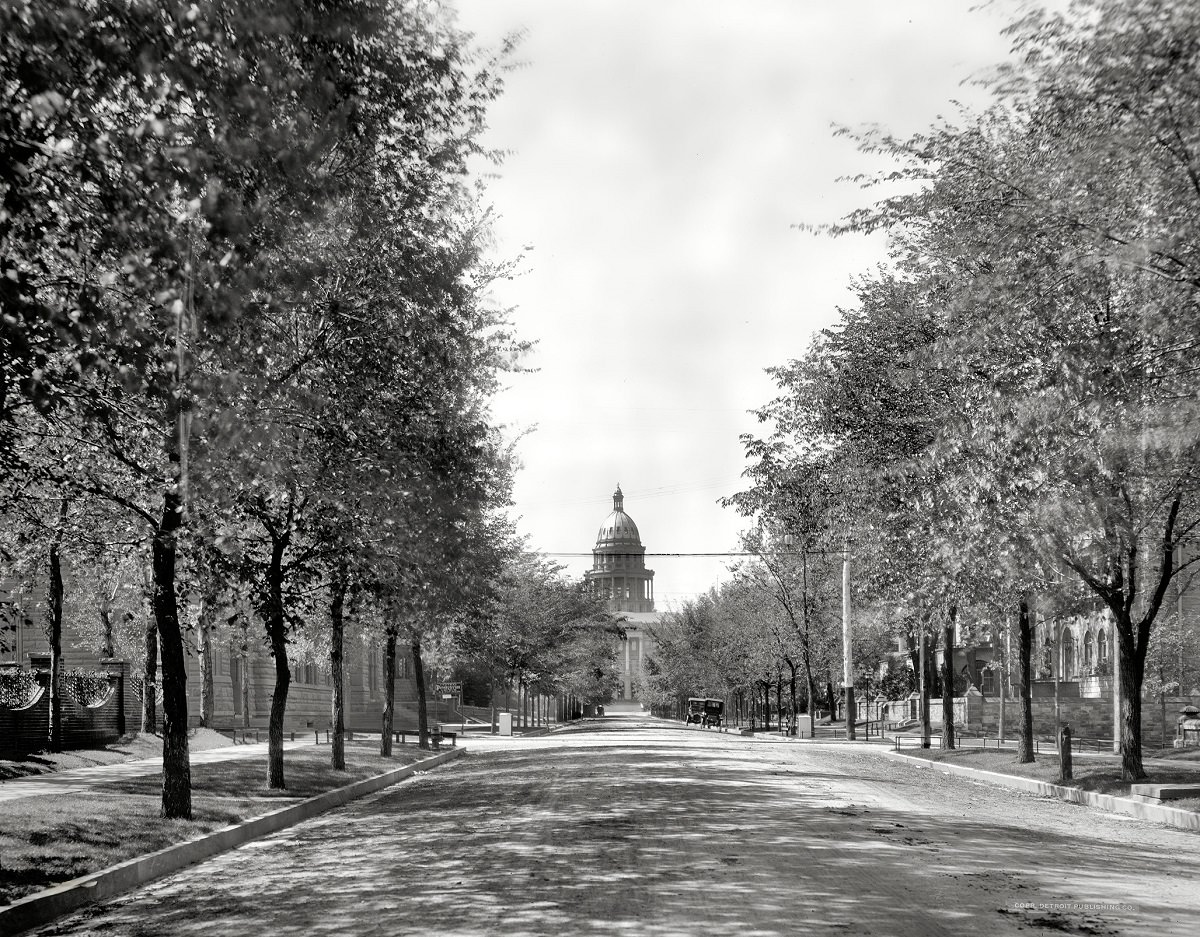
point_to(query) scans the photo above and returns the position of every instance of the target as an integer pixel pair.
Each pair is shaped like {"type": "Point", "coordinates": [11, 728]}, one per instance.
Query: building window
{"type": "Point", "coordinates": [1067, 655]}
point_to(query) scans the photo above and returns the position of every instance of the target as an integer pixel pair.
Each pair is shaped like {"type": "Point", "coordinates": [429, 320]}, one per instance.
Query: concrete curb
{"type": "Point", "coordinates": [43, 907]}
{"type": "Point", "coordinates": [1170, 816]}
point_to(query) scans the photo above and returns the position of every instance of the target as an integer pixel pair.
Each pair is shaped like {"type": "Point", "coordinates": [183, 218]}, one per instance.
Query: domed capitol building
{"type": "Point", "coordinates": [620, 576]}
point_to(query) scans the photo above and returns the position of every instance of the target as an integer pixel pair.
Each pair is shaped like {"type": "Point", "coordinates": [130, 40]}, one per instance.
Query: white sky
{"type": "Point", "coordinates": [661, 152]}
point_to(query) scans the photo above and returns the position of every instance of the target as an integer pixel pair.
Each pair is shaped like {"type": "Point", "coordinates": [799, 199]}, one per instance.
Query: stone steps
{"type": "Point", "coordinates": [1160, 793]}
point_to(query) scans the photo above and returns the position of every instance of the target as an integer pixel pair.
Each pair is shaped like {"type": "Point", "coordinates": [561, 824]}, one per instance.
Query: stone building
{"type": "Point", "coordinates": [620, 576]}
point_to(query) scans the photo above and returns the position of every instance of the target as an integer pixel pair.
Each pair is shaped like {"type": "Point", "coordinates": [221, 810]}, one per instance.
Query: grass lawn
{"type": "Point", "coordinates": [1101, 775]}
{"type": "Point", "coordinates": [130, 748]}
{"type": "Point", "coordinates": [52, 838]}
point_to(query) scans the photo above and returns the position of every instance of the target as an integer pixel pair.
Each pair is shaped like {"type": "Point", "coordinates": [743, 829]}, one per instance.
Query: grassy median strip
{"type": "Point", "coordinates": [1101, 776]}
{"type": "Point", "coordinates": [53, 838]}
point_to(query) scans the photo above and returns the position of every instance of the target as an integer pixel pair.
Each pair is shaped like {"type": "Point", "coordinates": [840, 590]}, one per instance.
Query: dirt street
{"type": "Point", "coordinates": [637, 826]}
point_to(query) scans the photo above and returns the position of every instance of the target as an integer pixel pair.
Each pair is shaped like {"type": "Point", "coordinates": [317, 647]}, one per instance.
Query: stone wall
{"type": "Point", "coordinates": [1089, 718]}
{"type": "Point", "coordinates": [27, 730]}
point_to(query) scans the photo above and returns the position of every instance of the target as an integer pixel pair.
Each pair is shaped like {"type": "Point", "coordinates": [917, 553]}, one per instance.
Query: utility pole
{"type": "Point", "coordinates": [847, 662]}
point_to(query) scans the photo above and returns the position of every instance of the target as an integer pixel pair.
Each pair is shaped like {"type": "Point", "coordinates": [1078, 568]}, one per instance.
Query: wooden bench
{"type": "Point", "coordinates": [437, 736]}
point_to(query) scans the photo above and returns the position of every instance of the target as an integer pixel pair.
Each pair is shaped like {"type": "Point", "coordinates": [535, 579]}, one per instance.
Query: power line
{"type": "Point", "coordinates": [725, 553]}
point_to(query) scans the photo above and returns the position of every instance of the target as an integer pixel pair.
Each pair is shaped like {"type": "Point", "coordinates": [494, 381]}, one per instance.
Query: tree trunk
{"type": "Point", "coordinates": [1024, 666]}
{"type": "Point", "coordinates": [389, 693]}
{"type": "Point", "coordinates": [337, 714]}
{"type": "Point", "coordinates": [204, 656]}
{"type": "Point", "coordinates": [107, 639]}
{"type": "Point", "coordinates": [419, 679]}
{"type": "Point", "coordinates": [245, 652]}
{"type": "Point", "coordinates": [1129, 673]}
{"type": "Point", "coordinates": [948, 680]}
{"type": "Point", "coordinates": [150, 677]}
{"type": "Point", "coordinates": [795, 704]}
{"type": "Point", "coordinates": [1003, 705]}
{"type": "Point", "coordinates": [926, 689]}
{"type": "Point", "coordinates": [177, 773]}
{"type": "Point", "coordinates": [54, 632]}
{"type": "Point", "coordinates": [914, 650]}
{"type": "Point", "coordinates": [277, 635]}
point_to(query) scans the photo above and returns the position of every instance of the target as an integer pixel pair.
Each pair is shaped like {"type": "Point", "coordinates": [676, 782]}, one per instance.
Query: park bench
{"type": "Point", "coordinates": [437, 736]}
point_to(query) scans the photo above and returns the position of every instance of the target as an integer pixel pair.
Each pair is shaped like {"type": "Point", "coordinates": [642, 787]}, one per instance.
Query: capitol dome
{"type": "Point", "coordinates": [618, 572]}
{"type": "Point", "coordinates": [618, 529]}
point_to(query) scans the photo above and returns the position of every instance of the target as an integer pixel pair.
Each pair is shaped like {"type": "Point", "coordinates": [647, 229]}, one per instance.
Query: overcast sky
{"type": "Point", "coordinates": [662, 152]}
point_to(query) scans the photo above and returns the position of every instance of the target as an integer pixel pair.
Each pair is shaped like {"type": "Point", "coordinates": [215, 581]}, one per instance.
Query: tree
{"type": "Point", "coordinates": [536, 629]}
{"type": "Point", "coordinates": [142, 252]}
{"type": "Point", "coordinates": [1057, 233]}
{"type": "Point", "coordinates": [805, 591]}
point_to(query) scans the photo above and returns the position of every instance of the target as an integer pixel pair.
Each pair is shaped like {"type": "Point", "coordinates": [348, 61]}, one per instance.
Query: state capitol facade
{"type": "Point", "coordinates": [619, 575]}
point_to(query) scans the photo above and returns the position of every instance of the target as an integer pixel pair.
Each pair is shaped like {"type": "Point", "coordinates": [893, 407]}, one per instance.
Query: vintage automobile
{"type": "Point", "coordinates": [714, 712]}
{"type": "Point", "coordinates": [705, 712]}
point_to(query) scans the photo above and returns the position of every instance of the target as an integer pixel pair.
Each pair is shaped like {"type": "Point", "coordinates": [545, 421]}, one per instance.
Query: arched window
{"type": "Point", "coordinates": [1067, 655]}
{"type": "Point", "coordinates": [1102, 648]}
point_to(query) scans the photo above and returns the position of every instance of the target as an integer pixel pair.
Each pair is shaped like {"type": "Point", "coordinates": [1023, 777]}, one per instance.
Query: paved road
{"type": "Point", "coordinates": [636, 827]}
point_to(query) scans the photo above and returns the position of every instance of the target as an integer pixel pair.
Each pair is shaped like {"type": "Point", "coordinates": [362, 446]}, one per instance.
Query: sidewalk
{"type": "Point", "coordinates": [1111, 803]}
{"type": "Point", "coordinates": [123, 843]}
{"type": "Point", "coordinates": [911, 742]}
{"type": "Point", "coordinates": [76, 780]}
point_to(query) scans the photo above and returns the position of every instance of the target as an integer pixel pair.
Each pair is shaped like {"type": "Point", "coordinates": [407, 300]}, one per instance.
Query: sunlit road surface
{"type": "Point", "coordinates": [638, 826]}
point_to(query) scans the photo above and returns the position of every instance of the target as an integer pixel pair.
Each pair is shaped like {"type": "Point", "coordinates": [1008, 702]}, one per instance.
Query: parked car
{"type": "Point", "coordinates": [705, 712]}
{"type": "Point", "coordinates": [714, 712]}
